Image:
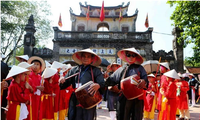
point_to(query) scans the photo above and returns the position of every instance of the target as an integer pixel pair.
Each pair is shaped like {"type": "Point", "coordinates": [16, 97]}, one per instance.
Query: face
{"type": "Point", "coordinates": [22, 60]}
{"type": "Point", "coordinates": [131, 57]}
{"type": "Point", "coordinates": [114, 68]}
{"type": "Point", "coordinates": [151, 79]}
{"type": "Point", "coordinates": [163, 69]}
{"type": "Point", "coordinates": [36, 67]}
{"type": "Point", "coordinates": [22, 76]}
{"type": "Point", "coordinates": [190, 76]}
{"type": "Point", "coordinates": [170, 79]}
{"type": "Point", "coordinates": [86, 58]}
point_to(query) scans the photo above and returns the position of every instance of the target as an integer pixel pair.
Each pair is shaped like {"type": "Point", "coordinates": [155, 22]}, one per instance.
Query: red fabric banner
{"type": "Point", "coordinates": [60, 21]}
{"type": "Point", "coordinates": [102, 15]}
{"type": "Point", "coordinates": [120, 14]}
{"type": "Point", "coordinates": [146, 22]}
{"type": "Point", "coordinates": [88, 13]}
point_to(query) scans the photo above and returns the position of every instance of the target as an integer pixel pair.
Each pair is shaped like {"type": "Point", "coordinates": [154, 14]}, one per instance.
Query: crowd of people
{"type": "Point", "coordinates": [38, 90]}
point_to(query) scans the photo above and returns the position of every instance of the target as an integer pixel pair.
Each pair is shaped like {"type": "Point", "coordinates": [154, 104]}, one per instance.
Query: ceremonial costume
{"type": "Point", "coordinates": [47, 109]}
{"type": "Point", "coordinates": [76, 111]}
{"type": "Point", "coordinates": [182, 101]}
{"type": "Point", "coordinates": [127, 109]}
{"type": "Point", "coordinates": [16, 96]}
{"type": "Point", "coordinates": [169, 112]}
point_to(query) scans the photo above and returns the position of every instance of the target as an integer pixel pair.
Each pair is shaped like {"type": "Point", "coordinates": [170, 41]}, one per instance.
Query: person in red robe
{"type": "Point", "coordinates": [56, 88]}
{"type": "Point", "coordinates": [164, 67]}
{"type": "Point", "coordinates": [27, 92]}
{"type": "Point", "coordinates": [47, 109]}
{"type": "Point", "coordinates": [35, 83]}
{"type": "Point", "coordinates": [169, 112]}
{"type": "Point", "coordinates": [64, 95]}
{"type": "Point", "coordinates": [16, 97]}
{"type": "Point", "coordinates": [151, 92]}
{"type": "Point", "coordinates": [182, 98]}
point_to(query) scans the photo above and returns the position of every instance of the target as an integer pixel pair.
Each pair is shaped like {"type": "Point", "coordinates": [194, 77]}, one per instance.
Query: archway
{"type": "Point", "coordinates": [103, 27]}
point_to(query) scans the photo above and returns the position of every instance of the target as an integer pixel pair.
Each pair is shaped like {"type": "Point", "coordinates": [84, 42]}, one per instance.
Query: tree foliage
{"type": "Point", "coordinates": [186, 16]}
{"type": "Point", "coordinates": [14, 17]}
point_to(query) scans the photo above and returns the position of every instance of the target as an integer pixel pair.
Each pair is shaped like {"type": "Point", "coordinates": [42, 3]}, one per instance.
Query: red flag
{"type": "Point", "coordinates": [88, 13]}
{"type": "Point", "coordinates": [146, 22]}
{"type": "Point", "coordinates": [60, 21]}
{"type": "Point", "coordinates": [102, 15]}
{"type": "Point", "coordinates": [120, 14]}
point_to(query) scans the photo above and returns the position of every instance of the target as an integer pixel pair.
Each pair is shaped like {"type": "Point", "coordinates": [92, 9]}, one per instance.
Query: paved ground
{"type": "Point", "coordinates": [103, 114]}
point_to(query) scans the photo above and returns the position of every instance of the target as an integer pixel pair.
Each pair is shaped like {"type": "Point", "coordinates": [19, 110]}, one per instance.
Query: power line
{"type": "Point", "coordinates": [163, 33]}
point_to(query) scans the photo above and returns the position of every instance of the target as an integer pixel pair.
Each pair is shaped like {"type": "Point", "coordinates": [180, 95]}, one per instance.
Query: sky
{"type": "Point", "coordinates": [158, 15]}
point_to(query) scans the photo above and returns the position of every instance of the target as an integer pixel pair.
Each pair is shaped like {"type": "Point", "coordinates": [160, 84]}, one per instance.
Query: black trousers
{"type": "Point", "coordinates": [129, 109]}
{"type": "Point", "coordinates": [85, 114]}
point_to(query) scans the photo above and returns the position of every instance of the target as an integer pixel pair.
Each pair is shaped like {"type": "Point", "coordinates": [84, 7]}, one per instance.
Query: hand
{"type": "Point", "coordinates": [4, 85]}
{"type": "Point", "coordinates": [141, 84]}
{"type": "Point", "coordinates": [28, 87]}
{"type": "Point", "coordinates": [51, 80]}
{"type": "Point", "coordinates": [41, 88]}
{"type": "Point", "coordinates": [61, 80]}
{"type": "Point", "coordinates": [105, 75]}
{"type": "Point", "coordinates": [93, 88]}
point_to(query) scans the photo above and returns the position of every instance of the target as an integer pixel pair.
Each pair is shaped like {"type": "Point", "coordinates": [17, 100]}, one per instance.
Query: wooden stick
{"type": "Point", "coordinates": [158, 67]}
{"type": "Point", "coordinates": [72, 75]}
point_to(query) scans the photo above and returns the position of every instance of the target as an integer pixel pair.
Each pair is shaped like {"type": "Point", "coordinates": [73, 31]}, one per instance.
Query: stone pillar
{"type": "Point", "coordinates": [29, 39]}
{"type": "Point", "coordinates": [178, 50]}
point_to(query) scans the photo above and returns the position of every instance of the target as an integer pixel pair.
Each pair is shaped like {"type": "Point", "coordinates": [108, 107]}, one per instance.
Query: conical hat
{"type": "Point", "coordinates": [96, 61]}
{"type": "Point", "coordinates": [47, 64]}
{"type": "Point", "coordinates": [39, 59]}
{"type": "Point", "coordinates": [56, 65]}
{"type": "Point", "coordinates": [109, 68]}
{"type": "Point", "coordinates": [48, 72]}
{"type": "Point", "coordinates": [66, 67]}
{"type": "Point", "coordinates": [172, 74]}
{"type": "Point", "coordinates": [122, 55]}
{"type": "Point", "coordinates": [15, 70]}
{"type": "Point", "coordinates": [25, 65]}
{"type": "Point", "coordinates": [191, 75]}
{"type": "Point", "coordinates": [25, 57]}
{"type": "Point", "coordinates": [165, 64]}
{"type": "Point", "coordinates": [151, 75]}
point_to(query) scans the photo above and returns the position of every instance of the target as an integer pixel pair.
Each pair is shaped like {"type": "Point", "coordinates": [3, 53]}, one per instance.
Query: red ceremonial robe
{"type": "Point", "coordinates": [170, 94]}
{"type": "Point", "coordinates": [27, 95]}
{"type": "Point", "coordinates": [15, 97]}
{"type": "Point", "coordinates": [150, 98]}
{"type": "Point", "coordinates": [35, 99]}
{"type": "Point", "coordinates": [182, 99]}
{"type": "Point", "coordinates": [56, 90]}
{"type": "Point", "coordinates": [47, 102]}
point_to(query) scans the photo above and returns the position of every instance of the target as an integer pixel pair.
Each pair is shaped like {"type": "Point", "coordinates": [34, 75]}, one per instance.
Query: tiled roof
{"type": "Point", "coordinates": [194, 70]}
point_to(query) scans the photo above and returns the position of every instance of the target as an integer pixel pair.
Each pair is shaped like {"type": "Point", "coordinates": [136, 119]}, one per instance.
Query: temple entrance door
{"type": "Point", "coordinates": [103, 27]}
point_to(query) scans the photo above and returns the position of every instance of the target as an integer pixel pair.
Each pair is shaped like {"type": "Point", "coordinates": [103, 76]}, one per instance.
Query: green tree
{"type": "Point", "coordinates": [186, 16]}
{"type": "Point", "coordinates": [14, 17]}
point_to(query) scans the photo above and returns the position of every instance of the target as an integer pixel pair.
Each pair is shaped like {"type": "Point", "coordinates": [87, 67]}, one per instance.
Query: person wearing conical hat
{"type": "Point", "coordinates": [56, 89]}
{"type": "Point", "coordinates": [47, 108]}
{"type": "Point", "coordinates": [164, 67]}
{"type": "Point", "coordinates": [126, 108]}
{"type": "Point", "coordinates": [182, 98]}
{"type": "Point", "coordinates": [22, 58]}
{"type": "Point", "coordinates": [169, 112]}
{"type": "Point", "coordinates": [35, 83]}
{"type": "Point", "coordinates": [64, 95]}
{"type": "Point", "coordinates": [24, 84]}
{"type": "Point", "coordinates": [87, 60]}
{"type": "Point", "coordinates": [193, 84]}
{"type": "Point", "coordinates": [112, 95]}
{"type": "Point", "coordinates": [16, 97]}
{"type": "Point", "coordinates": [151, 98]}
